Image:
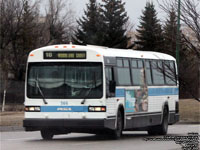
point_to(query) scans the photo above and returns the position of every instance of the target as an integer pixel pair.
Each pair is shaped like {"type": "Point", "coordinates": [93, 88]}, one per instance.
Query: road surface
{"type": "Point", "coordinates": [21, 140]}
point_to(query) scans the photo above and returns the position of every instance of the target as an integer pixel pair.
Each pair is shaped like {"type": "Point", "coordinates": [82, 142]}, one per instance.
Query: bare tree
{"type": "Point", "coordinates": [130, 33]}
{"type": "Point", "coordinates": [190, 43]}
{"type": "Point", "coordinates": [190, 16]}
{"type": "Point", "coordinates": [16, 22]}
{"type": "Point", "coordinates": [59, 22]}
{"type": "Point", "coordinates": [22, 29]}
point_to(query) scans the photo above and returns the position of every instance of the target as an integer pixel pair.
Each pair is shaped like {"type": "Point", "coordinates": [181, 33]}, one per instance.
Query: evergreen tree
{"type": "Point", "coordinates": [115, 17]}
{"type": "Point", "coordinates": [170, 30]}
{"type": "Point", "coordinates": [150, 36]}
{"type": "Point", "coordinates": [88, 31]}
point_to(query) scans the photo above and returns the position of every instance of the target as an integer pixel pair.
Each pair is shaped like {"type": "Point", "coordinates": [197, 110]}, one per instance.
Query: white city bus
{"type": "Point", "coordinates": [91, 89]}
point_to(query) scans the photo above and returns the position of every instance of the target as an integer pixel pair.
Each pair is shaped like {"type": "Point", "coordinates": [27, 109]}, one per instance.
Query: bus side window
{"type": "Point", "coordinates": [109, 79]}
{"type": "Point", "coordinates": [123, 72]}
{"type": "Point", "coordinates": [119, 63]}
{"type": "Point", "coordinates": [148, 72]}
{"type": "Point", "coordinates": [137, 71]}
{"type": "Point", "coordinates": [170, 73]}
{"type": "Point", "coordinates": [157, 71]}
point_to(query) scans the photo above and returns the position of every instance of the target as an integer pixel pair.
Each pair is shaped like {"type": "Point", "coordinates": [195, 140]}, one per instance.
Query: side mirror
{"type": "Point", "coordinates": [112, 86]}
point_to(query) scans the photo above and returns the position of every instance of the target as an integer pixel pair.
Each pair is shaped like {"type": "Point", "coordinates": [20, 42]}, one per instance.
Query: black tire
{"type": "Point", "coordinates": [160, 129]}
{"type": "Point", "coordinates": [46, 134]}
{"type": "Point", "coordinates": [118, 131]}
{"type": "Point", "coordinates": [163, 128]}
{"type": "Point", "coordinates": [152, 131]}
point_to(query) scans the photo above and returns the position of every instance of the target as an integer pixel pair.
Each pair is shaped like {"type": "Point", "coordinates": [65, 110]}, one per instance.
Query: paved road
{"type": "Point", "coordinates": [130, 141]}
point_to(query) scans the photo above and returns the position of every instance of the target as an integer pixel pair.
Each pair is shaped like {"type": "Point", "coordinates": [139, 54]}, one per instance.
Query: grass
{"type": "Point", "coordinates": [11, 118]}
{"type": "Point", "coordinates": [189, 112]}
{"type": "Point", "coordinates": [13, 107]}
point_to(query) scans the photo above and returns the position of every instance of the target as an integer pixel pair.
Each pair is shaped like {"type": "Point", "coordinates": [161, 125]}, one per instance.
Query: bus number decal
{"type": "Point", "coordinates": [64, 103]}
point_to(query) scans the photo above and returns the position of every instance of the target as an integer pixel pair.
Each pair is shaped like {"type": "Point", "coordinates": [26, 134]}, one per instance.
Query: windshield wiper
{"type": "Point", "coordinates": [41, 93]}
{"type": "Point", "coordinates": [88, 92]}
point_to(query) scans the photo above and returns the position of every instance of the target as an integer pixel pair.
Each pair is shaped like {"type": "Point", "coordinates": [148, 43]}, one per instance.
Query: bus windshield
{"type": "Point", "coordinates": [69, 80]}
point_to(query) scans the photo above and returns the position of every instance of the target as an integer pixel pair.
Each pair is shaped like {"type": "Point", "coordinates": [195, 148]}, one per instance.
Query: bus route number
{"type": "Point", "coordinates": [49, 55]}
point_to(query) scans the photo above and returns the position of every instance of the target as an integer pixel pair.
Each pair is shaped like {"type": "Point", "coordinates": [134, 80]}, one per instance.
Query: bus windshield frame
{"type": "Point", "coordinates": [65, 80]}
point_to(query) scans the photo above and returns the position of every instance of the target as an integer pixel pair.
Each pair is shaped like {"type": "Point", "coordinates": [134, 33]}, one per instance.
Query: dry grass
{"type": "Point", "coordinates": [13, 107]}
{"type": "Point", "coordinates": [11, 118]}
{"type": "Point", "coordinates": [189, 112]}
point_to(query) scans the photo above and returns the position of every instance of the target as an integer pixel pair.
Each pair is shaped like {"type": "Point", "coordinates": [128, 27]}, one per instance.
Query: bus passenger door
{"type": "Point", "coordinates": [111, 102]}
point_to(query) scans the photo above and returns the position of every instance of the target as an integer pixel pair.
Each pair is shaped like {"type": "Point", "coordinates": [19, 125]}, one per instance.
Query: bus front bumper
{"type": "Point", "coordinates": [69, 124]}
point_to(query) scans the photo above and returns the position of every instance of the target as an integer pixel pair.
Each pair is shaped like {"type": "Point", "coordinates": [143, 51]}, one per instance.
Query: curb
{"type": "Point", "coordinates": [188, 123]}
{"type": "Point", "coordinates": [11, 128]}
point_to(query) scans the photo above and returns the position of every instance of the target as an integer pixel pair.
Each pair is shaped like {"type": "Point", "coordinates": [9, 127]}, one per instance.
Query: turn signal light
{"type": "Point", "coordinates": [97, 109]}
{"type": "Point", "coordinates": [32, 108]}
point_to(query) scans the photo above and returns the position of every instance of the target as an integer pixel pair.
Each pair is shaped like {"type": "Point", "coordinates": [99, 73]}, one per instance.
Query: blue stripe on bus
{"type": "Point", "coordinates": [64, 108]}
{"type": "Point", "coordinates": [152, 92]}
{"type": "Point", "coordinates": [120, 93]}
{"type": "Point", "coordinates": [162, 91]}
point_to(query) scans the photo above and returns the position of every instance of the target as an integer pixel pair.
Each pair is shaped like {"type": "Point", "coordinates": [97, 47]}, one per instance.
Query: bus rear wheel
{"type": "Point", "coordinates": [163, 128]}
{"type": "Point", "coordinates": [46, 134]}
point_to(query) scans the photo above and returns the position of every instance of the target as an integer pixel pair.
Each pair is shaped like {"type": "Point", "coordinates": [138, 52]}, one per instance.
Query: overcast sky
{"type": "Point", "coordinates": [133, 7]}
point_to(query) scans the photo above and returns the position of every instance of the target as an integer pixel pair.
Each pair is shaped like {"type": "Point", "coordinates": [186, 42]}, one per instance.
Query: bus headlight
{"type": "Point", "coordinates": [32, 108]}
{"type": "Point", "coordinates": [97, 109]}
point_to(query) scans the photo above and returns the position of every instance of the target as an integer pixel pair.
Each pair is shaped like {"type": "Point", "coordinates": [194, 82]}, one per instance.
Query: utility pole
{"type": "Point", "coordinates": [178, 33]}
{"type": "Point", "coordinates": [199, 80]}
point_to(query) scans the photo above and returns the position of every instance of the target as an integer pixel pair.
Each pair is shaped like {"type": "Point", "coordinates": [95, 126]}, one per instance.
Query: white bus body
{"type": "Point", "coordinates": [71, 88]}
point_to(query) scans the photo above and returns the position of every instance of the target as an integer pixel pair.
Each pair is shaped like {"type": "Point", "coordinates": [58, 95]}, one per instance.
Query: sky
{"type": "Point", "coordinates": [133, 7]}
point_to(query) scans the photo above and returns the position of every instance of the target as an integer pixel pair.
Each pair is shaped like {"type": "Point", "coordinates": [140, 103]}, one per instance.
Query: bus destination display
{"type": "Point", "coordinates": [65, 55]}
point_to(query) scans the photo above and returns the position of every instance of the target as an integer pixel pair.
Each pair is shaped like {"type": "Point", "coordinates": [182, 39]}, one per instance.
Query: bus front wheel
{"type": "Point", "coordinates": [46, 134]}
{"type": "Point", "coordinates": [118, 131]}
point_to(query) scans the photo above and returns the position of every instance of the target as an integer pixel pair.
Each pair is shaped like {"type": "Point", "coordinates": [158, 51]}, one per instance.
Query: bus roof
{"type": "Point", "coordinates": [111, 52]}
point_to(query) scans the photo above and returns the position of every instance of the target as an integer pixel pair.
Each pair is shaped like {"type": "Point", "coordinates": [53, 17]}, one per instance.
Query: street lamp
{"type": "Point", "coordinates": [178, 32]}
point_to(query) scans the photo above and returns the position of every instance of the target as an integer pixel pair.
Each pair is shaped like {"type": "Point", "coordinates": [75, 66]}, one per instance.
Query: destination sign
{"type": "Point", "coordinates": [65, 55]}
